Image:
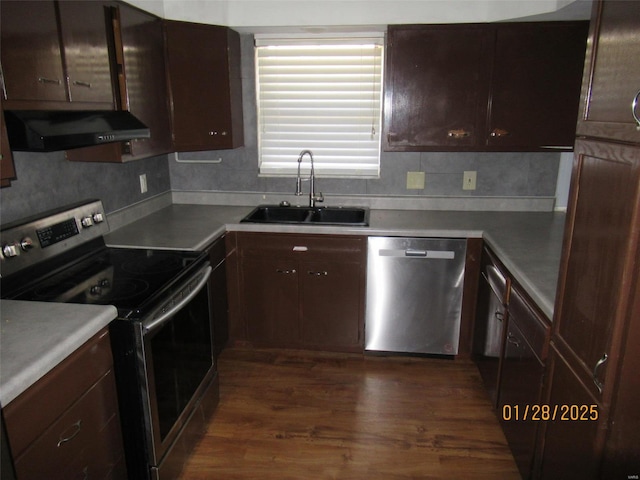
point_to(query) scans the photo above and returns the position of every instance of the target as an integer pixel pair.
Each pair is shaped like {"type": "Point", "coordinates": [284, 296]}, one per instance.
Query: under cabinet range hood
{"type": "Point", "coordinates": [48, 131]}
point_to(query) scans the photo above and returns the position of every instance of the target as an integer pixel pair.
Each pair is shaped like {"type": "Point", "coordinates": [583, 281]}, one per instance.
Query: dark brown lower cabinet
{"type": "Point", "coordinates": [521, 379]}
{"type": "Point", "coordinates": [298, 291]}
{"type": "Point", "coordinates": [67, 424]}
{"type": "Point", "coordinates": [572, 445]}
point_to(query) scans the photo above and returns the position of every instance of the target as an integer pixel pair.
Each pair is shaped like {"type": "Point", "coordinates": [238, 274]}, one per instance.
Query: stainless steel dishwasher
{"type": "Point", "coordinates": [414, 294]}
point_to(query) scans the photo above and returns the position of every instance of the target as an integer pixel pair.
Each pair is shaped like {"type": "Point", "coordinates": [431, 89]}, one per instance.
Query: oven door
{"type": "Point", "coordinates": [178, 362]}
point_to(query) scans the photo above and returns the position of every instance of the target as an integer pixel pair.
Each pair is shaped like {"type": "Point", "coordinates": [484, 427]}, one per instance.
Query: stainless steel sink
{"type": "Point", "coordinates": [348, 216]}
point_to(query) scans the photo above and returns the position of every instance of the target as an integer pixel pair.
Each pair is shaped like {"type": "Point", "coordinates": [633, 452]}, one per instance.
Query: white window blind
{"type": "Point", "coordinates": [322, 95]}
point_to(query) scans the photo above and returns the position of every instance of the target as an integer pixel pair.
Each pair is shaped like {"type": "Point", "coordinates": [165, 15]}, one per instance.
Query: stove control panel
{"type": "Point", "coordinates": [26, 243]}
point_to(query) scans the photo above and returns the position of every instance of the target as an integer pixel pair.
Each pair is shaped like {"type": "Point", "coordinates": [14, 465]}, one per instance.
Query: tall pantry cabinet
{"type": "Point", "coordinates": [594, 357]}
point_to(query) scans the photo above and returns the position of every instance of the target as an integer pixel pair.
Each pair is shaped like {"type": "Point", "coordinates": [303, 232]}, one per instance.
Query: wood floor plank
{"type": "Point", "coordinates": [287, 414]}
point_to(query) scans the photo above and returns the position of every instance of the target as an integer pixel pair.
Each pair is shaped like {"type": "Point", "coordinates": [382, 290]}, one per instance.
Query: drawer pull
{"type": "Point", "coordinates": [79, 83]}
{"type": "Point", "coordinates": [286, 272]}
{"type": "Point", "coordinates": [76, 430]}
{"type": "Point", "coordinates": [300, 248]}
{"type": "Point", "coordinates": [513, 340]}
{"type": "Point", "coordinates": [318, 274]}
{"type": "Point", "coordinates": [53, 81]}
{"type": "Point", "coordinates": [599, 385]}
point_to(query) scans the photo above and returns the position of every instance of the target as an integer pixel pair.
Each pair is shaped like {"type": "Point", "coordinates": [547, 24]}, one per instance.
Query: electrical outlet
{"type": "Point", "coordinates": [415, 180]}
{"type": "Point", "coordinates": [469, 180]}
{"type": "Point", "coordinates": [143, 183]}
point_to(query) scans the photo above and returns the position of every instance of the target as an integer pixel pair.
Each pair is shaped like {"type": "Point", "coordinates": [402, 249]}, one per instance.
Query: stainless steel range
{"type": "Point", "coordinates": [162, 339]}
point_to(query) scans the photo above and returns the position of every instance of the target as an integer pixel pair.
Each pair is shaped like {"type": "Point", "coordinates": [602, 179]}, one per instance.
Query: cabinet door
{"type": "Point", "coordinates": [270, 296]}
{"type": "Point", "coordinates": [204, 82]}
{"type": "Point", "coordinates": [571, 450]}
{"type": "Point", "coordinates": [436, 87]}
{"type": "Point", "coordinates": [520, 390]}
{"type": "Point", "coordinates": [536, 84]}
{"type": "Point", "coordinates": [7, 168]}
{"type": "Point", "coordinates": [599, 258]}
{"type": "Point", "coordinates": [142, 87]}
{"type": "Point", "coordinates": [86, 49]}
{"type": "Point", "coordinates": [31, 52]}
{"type": "Point", "coordinates": [330, 310]}
{"type": "Point", "coordinates": [612, 75]}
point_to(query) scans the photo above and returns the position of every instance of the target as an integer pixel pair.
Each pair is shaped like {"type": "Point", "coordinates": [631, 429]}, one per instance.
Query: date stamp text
{"type": "Point", "coordinates": [538, 412]}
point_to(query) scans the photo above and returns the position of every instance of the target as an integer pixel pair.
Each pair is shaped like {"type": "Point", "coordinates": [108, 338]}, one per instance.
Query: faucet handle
{"type": "Point", "coordinates": [319, 198]}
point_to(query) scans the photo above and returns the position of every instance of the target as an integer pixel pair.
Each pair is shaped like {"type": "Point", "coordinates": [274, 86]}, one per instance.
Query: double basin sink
{"type": "Point", "coordinates": [347, 216]}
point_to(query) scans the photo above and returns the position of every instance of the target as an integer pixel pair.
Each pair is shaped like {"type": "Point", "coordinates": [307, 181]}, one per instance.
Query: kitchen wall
{"type": "Point", "coordinates": [499, 174]}
{"type": "Point", "coordinates": [47, 180]}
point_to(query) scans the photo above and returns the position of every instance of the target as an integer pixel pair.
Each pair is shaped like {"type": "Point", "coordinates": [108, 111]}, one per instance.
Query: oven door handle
{"type": "Point", "coordinates": [157, 322]}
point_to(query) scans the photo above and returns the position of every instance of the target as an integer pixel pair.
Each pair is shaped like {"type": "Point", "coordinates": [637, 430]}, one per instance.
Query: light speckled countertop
{"type": "Point", "coordinates": [36, 336]}
{"type": "Point", "coordinates": [528, 243]}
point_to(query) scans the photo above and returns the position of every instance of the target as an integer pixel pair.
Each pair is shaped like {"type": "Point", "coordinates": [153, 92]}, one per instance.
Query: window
{"type": "Point", "coordinates": [323, 95]}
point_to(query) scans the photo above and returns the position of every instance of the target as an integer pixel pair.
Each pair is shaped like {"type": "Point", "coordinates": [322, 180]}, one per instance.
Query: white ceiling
{"type": "Point", "coordinates": [324, 15]}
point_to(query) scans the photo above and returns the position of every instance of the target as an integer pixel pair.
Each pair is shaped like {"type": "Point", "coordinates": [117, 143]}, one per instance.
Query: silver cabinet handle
{"type": "Point", "coordinates": [286, 272]}
{"type": "Point", "coordinates": [78, 83]}
{"type": "Point", "coordinates": [53, 81]}
{"type": "Point", "coordinates": [513, 340]}
{"type": "Point", "coordinates": [599, 385]}
{"type": "Point", "coordinates": [319, 274]}
{"type": "Point", "coordinates": [76, 430]}
{"type": "Point", "coordinates": [634, 105]}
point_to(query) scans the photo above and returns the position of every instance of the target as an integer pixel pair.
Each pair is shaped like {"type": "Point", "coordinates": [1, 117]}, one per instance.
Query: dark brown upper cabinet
{"type": "Point", "coordinates": [436, 86]}
{"type": "Point", "coordinates": [139, 61]}
{"type": "Point", "coordinates": [55, 55]}
{"type": "Point", "coordinates": [205, 89]}
{"type": "Point", "coordinates": [502, 87]}
{"type": "Point", "coordinates": [610, 100]}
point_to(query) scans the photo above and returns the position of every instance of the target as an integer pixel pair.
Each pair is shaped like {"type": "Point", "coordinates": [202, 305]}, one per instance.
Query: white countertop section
{"type": "Point", "coordinates": [37, 336]}
{"type": "Point", "coordinates": [528, 243]}
{"type": "Point", "coordinates": [177, 227]}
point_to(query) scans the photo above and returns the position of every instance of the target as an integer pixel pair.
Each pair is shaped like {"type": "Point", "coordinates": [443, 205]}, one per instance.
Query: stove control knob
{"type": "Point", "coordinates": [96, 290]}
{"type": "Point", "coordinates": [10, 250]}
{"type": "Point", "coordinates": [87, 222]}
{"type": "Point", "coordinates": [26, 244]}
{"type": "Point", "coordinates": [98, 217]}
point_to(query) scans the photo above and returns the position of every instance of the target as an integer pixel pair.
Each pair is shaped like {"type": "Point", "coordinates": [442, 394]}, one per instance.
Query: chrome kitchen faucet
{"type": "Point", "coordinates": [313, 198]}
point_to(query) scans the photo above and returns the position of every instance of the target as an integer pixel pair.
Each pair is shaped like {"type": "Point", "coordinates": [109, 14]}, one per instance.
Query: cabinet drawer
{"type": "Point", "coordinates": [39, 406]}
{"type": "Point", "coordinates": [533, 328]}
{"type": "Point", "coordinates": [301, 247]}
{"type": "Point", "coordinates": [85, 438]}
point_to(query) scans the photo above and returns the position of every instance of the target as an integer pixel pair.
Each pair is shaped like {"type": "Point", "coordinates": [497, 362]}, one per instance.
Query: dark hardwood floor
{"type": "Point", "coordinates": [287, 414]}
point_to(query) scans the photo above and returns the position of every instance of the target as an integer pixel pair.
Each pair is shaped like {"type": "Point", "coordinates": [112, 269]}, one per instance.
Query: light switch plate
{"type": "Point", "coordinates": [143, 183]}
{"type": "Point", "coordinates": [415, 180]}
{"type": "Point", "coordinates": [469, 180]}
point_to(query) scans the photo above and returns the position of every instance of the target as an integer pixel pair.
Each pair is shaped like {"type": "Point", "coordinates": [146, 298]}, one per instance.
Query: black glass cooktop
{"type": "Point", "coordinates": [129, 279]}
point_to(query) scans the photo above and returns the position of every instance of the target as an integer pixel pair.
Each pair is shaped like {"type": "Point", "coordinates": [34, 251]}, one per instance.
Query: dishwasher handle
{"type": "Point", "coordinates": [416, 253]}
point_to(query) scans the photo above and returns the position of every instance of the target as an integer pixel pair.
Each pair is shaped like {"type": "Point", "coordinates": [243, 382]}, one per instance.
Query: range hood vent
{"type": "Point", "coordinates": [48, 131]}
